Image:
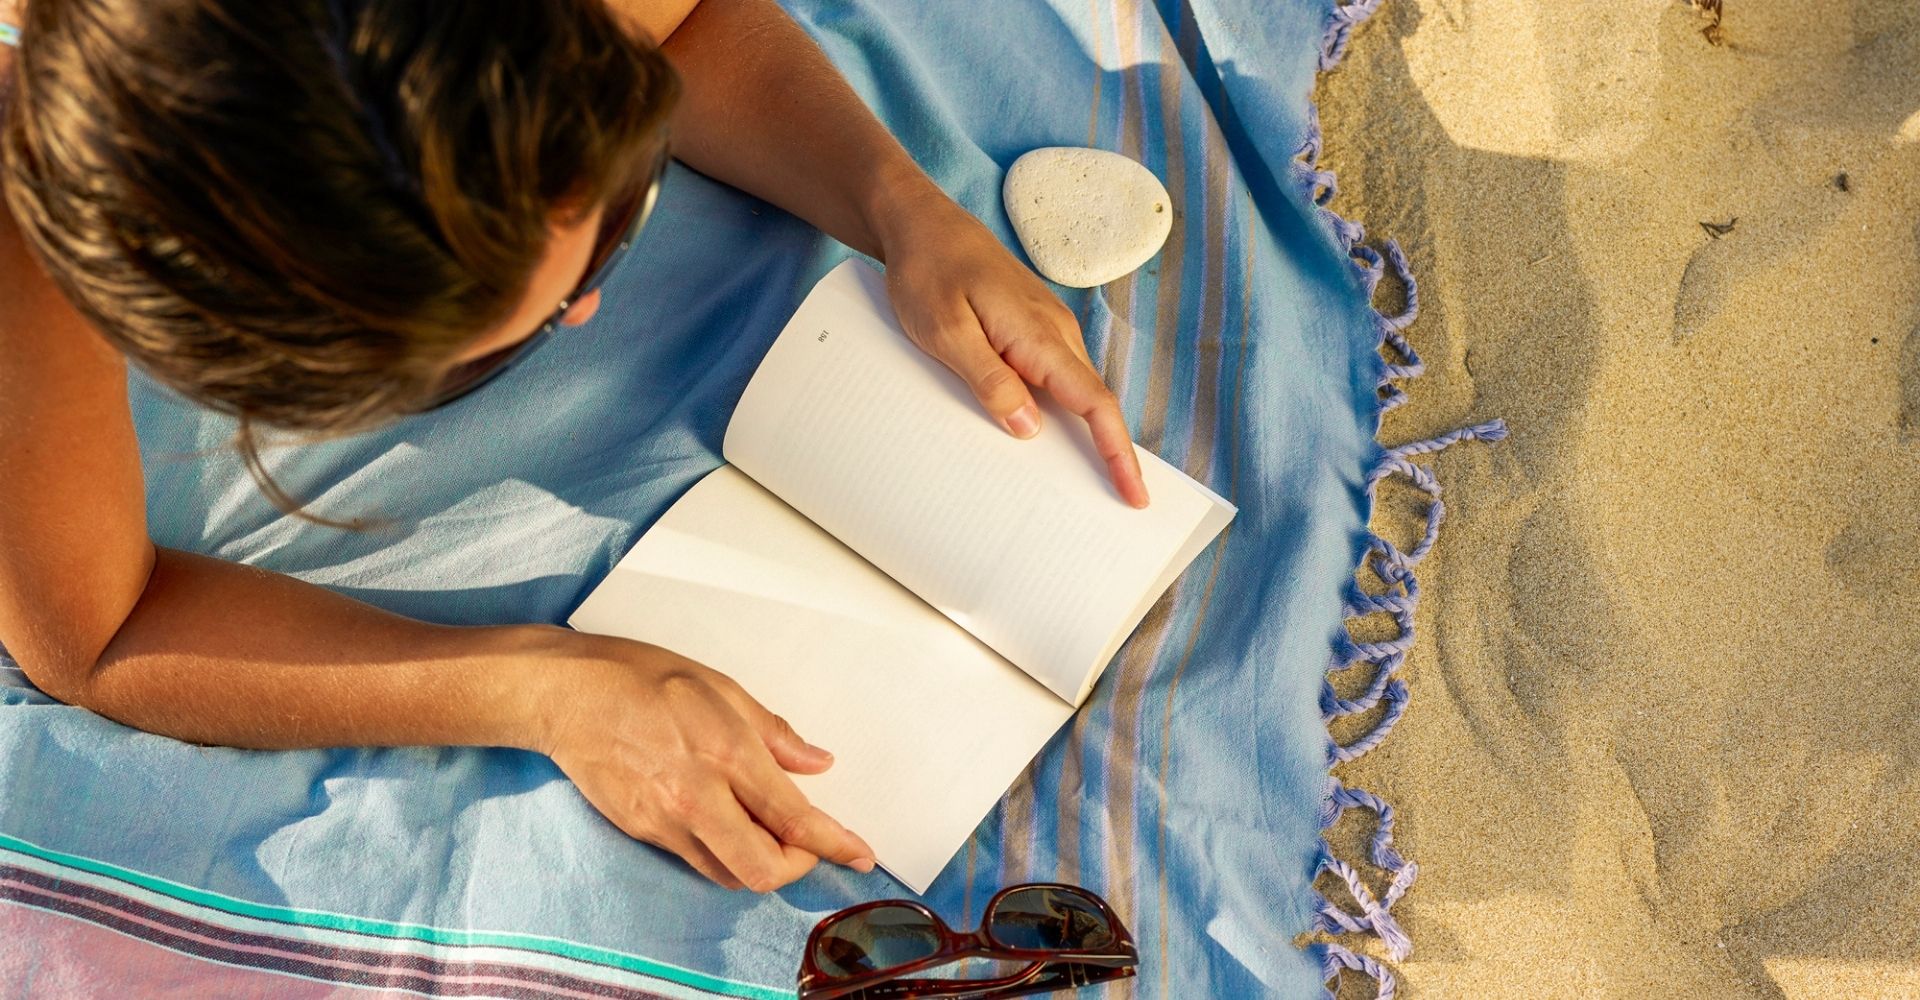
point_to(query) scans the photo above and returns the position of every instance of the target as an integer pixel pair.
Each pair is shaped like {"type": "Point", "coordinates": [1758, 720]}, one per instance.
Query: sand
{"type": "Point", "coordinates": [1665, 731]}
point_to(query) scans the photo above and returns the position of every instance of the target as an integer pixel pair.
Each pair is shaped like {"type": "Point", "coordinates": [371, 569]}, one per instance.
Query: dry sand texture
{"type": "Point", "coordinates": [1665, 731]}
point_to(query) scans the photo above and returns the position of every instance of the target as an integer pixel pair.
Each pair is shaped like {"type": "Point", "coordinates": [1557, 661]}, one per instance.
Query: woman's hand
{"type": "Point", "coordinates": [766, 112]}
{"type": "Point", "coordinates": [683, 758]}
{"type": "Point", "coordinates": [966, 301]}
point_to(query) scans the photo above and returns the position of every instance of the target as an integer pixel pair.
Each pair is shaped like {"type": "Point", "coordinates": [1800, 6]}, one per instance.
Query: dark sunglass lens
{"type": "Point", "coordinates": [616, 226]}
{"type": "Point", "coordinates": [884, 937]}
{"type": "Point", "coordinates": [1049, 919]}
{"type": "Point", "coordinates": [470, 374]}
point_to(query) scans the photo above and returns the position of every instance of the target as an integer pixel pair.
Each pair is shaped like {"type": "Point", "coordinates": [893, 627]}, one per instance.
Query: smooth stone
{"type": "Point", "coordinates": [1086, 216]}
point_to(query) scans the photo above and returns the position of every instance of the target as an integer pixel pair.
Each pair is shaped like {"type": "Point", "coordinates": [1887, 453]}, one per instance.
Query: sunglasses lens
{"type": "Point", "coordinates": [466, 377]}
{"type": "Point", "coordinates": [884, 937]}
{"type": "Point", "coordinates": [1043, 918]}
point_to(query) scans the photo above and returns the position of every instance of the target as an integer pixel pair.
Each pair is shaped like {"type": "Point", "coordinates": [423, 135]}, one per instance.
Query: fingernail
{"type": "Point", "coordinates": [822, 751]}
{"type": "Point", "coordinates": [1025, 421]}
{"type": "Point", "coordinates": [862, 865]}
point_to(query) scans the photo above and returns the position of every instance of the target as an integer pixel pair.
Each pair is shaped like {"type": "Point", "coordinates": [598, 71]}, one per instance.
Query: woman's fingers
{"type": "Point", "coordinates": [760, 862]}
{"type": "Point", "coordinates": [788, 749]}
{"type": "Point", "coordinates": [766, 791]}
{"type": "Point", "coordinates": [770, 796]}
{"type": "Point", "coordinates": [1049, 363]}
{"type": "Point", "coordinates": [1043, 344]}
{"type": "Point", "coordinates": [967, 302]}
{"type": "Point", "coordinates": [956, 339]}
{"type": "Point", "coordinates": [695, 854]}
{"type": "Point", "coordinates": [681, 766]}
{"type": "Point", "coordinates": [757, 782]}
{"type": "Point", "coordinates": [1067, 325]}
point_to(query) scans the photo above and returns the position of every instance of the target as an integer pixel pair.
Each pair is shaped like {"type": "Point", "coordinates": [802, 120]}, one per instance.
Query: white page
{"type": "Point", "coordinates": [1025, 544]}
{"type": "Point", "coordinates": [927, 725]}
{"type": "Point", "coordinates": [1219, 513]}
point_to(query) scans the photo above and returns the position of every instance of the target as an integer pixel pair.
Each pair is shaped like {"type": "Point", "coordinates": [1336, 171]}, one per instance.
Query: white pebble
{"type": "Point", "coordinates": [1086, 216]}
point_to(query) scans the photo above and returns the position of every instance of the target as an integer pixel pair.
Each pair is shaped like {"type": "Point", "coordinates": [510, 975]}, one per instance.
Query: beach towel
{"type": "Point", "coordinates": [1190, 791]}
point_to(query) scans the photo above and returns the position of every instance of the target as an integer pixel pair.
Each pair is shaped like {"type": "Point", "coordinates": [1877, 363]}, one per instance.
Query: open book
{"type": "Point", "coordinates": [907, 584]}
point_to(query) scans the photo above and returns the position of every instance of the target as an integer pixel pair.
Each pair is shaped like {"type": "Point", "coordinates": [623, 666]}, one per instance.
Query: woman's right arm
{"type": "Point", "coordinates": [215, 652]}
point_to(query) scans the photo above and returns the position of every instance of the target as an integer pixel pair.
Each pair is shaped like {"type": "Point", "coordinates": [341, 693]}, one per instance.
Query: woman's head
{"type": "Point", "coordinates": [306, 212]}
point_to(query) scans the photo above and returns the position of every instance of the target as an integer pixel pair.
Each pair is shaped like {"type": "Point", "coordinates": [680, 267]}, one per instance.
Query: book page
{"type": "Point", "coordinates": [1219, 513]}
{"type": "Point", "coordinates": [1025, 544]}
{"type": "Point", "coordinates": [927, 725]}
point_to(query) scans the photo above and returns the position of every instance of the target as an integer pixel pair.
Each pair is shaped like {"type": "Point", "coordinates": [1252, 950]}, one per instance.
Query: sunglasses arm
{"type": "Point", "coordinates": [898, 988]}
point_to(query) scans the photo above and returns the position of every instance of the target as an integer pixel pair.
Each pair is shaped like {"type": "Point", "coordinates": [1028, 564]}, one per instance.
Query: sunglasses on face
{"type": "Point", "coordinates": [619, 227]}
{"type": "Point", "coordinates": [1066, 937]}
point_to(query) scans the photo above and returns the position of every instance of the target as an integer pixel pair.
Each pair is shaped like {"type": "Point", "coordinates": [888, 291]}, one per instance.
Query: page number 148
{"type": "Point", "coordinates": [823, 337]}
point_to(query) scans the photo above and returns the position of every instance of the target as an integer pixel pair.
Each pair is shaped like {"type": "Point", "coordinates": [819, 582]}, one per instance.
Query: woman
{"type": "Point", "coordinates": [322, 215]}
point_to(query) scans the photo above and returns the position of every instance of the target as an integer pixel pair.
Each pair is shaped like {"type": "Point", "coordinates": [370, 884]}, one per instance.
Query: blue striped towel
{"type": "Point", "coordinates": [1190, 791]}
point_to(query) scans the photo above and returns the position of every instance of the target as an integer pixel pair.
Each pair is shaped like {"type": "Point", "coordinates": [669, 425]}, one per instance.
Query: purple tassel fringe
{"type": "Point", "coordinates": [1393, 566]}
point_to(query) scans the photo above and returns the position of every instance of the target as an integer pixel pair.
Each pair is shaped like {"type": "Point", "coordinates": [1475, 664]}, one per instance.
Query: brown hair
{"type": "Point", "coordinates": [298, 211]}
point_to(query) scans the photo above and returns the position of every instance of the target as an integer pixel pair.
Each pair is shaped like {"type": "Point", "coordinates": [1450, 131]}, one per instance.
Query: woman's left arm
{"type": "Point", "coordinates": [767, 113]}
